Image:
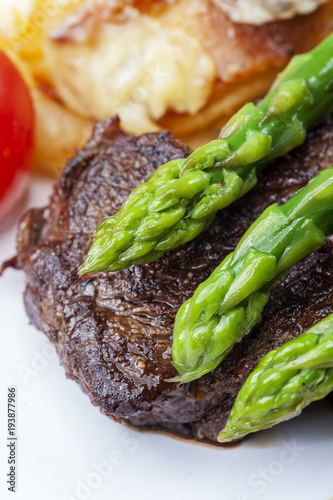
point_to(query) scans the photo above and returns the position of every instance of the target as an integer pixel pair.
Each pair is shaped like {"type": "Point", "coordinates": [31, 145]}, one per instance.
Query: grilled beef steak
{"type": "Point", "coordinates": [113, 332]}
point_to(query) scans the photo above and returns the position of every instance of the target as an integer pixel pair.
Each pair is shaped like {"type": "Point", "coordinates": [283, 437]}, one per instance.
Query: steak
{"type": "Point", "coordinates": [113, 331]}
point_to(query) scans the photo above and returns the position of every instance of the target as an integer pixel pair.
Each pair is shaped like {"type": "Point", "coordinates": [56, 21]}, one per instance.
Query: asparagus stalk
{"type": "Point", "coordinates": [285, 381]}
{"type": "Point", "coordinates": [180, 199]}
{"type": "Point", "coordinates": [229, 303]}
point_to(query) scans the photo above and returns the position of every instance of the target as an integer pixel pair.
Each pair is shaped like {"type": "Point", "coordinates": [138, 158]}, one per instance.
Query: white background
{"type": "Point", "coordinates": [66, 448]}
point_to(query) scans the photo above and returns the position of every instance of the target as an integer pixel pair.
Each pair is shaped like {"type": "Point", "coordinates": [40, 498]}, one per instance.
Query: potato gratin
{"type": "Point", "coordinates": [183, 65]}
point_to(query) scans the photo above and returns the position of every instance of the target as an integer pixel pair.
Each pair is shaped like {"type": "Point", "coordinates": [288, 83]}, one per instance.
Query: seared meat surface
{"type": "Point", "coordinates": [113, 331]}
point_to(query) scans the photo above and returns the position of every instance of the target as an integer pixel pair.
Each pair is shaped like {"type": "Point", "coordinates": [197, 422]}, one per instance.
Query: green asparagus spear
{"type": "Point", "coordinates": [229, 303]}
{"type": "Point", "coordinates": [180, 199]}
{"type": "Point", "coordinates": [285, 381]}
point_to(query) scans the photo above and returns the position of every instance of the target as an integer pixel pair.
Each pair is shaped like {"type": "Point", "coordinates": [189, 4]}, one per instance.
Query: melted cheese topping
{"type": "Point", "coordinates": [264, 11]}
{"type": "Point", "coordinates": [138, 69]}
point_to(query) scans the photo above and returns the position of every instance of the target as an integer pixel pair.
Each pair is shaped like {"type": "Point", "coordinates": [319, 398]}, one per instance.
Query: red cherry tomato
{"type": "Point", "coordinates": [16, 134]}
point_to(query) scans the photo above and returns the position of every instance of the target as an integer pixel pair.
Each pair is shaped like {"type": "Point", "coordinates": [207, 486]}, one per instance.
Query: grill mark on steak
{"type": "Point", "coordinates": [113, 331]}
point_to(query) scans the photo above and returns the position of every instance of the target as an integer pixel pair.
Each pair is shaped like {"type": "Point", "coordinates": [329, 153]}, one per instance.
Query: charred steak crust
{"type": "Point", "coordinates": [113, 332]}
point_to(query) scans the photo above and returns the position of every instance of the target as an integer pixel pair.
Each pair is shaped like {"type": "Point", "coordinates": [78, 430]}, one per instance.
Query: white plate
{"type": "Point", "coordinates": [67, 450]}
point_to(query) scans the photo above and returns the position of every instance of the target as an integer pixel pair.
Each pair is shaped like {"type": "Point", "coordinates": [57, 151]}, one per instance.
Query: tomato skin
{"type": "Point", "coordinates": [16, 134]}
